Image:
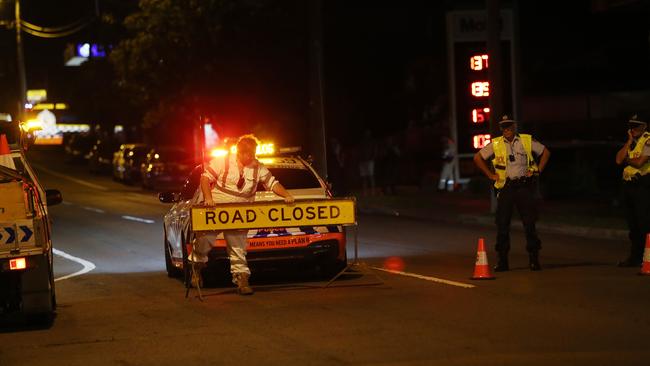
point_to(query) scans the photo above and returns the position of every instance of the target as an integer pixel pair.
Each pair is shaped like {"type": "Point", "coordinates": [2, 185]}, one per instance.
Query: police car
{"type": "Point", "coordinates": [322, 246]}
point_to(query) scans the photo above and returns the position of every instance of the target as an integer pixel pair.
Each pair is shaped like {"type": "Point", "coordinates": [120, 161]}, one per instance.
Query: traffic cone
{"type": "Point", "coordinates": [5, 153]}
{"type": "Point", "coordinates": [481, 268]}
{"type": "Point", "coordinates": [645, 268]}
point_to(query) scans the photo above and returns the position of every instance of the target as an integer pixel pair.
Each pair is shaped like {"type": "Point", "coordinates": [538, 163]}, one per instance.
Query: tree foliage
{"type": "Point", "coordinates": [176, 52]}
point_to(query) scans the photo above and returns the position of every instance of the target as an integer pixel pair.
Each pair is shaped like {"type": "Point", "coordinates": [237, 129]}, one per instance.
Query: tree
{"type": "Point", "coordinates": [182, 55]}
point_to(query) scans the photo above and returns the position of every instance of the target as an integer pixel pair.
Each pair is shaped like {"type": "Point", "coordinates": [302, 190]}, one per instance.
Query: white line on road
{"type": "Point", "coordinates": [98, 210]}
{"type": "Point", "coordinates": [426, 278]}
{"type": "Point", "coordinates": [133, 218]}
{"type": "Point", "coordinates": [88, 266]}
{"type": "Point", "coordinates": [63, 176]}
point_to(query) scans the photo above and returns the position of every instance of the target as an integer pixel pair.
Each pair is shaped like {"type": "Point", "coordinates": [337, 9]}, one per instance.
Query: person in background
{"type": "Point", "coordinates": [634, 155]}
{"type": "Point", "coordinates": [515, 170]}
{"type": "Point", "coordinates": [448, 175]}
{"type": "Point", "coordinates": [336, 167]}
{"type": "Point", "coordinates": [367, 155]}
{"type": "Point", "coordinates": [389, 160]}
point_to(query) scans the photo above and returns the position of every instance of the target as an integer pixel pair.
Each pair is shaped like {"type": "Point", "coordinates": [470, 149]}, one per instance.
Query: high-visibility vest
{"type": "Point", "coordinates": [629, 172]}
{"type": "Point", "coordinates": [500, 161]}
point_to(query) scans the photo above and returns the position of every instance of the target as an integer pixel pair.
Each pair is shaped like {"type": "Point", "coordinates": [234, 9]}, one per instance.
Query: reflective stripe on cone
{"type": "Point", "coordinates": [481, 268]}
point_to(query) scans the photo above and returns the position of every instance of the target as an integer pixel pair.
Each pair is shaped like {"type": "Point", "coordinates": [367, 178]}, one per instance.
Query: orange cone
{"type": "Point", "coordinates": [4, 145]}
{"type": "Point", "coordinates": [5, 153]}
{"type": "Point", "coordinates": [645, 268]}
{"type": "Point", "coordinates": [481, 268]}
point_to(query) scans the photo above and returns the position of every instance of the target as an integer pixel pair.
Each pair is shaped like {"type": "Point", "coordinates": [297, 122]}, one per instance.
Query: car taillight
{"type": "Point", "coordinates": [17, 263]}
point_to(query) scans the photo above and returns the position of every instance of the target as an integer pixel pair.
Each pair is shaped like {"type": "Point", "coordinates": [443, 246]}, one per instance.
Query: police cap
{"type": "Point", "coordinates": [636, 121]}
{"type": "Point", "coordinates": [506, 121]}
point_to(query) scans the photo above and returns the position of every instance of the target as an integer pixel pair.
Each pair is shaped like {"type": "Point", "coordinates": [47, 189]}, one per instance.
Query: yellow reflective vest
{"type": "Point", "coordinates": [500, 161]}
{"type": "Point", "coordinates": [629, 172]}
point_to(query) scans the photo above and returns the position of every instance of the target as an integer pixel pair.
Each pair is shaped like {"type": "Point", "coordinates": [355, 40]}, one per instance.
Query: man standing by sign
{"type": "Point", "coordinates": [514, 179]}
{"type": "Point", "coordinates": [228, 179]}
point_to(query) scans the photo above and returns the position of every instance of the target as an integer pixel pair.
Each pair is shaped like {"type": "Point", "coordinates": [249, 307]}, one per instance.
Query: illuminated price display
{"type": "Point", "coordinates": [479, 141]}
{"type": "Point", "coordinates": [470, 87]}
{"type": "Point", "coordinates": [481, 89]}
{"type": "Point", "coordinates": [472, 94]}
{"type": "Point", "coordinates": [478, 62]}
{"type": "Point", "coordinates": [480, 115]}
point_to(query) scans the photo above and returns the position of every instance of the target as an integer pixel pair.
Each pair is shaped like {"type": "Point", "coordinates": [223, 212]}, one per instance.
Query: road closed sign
{"type": "Point", "coordinates": [258, 215]}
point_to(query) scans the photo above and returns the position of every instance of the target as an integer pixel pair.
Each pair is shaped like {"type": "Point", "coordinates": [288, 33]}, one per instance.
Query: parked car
{"type": "Point", "coordinates": [324, 246]}
{"type": "Point", "coordinates": [127, 161]}
{"type": "Point", "coordinates": [100, 157]}
{"type": "Point", "coordinates": [78, 146]}
{"type": "Point", "coordinates": [166, 167]}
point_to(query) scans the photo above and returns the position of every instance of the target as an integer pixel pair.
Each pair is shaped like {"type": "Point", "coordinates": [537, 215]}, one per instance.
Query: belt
{"type": "Point", "coordinates": [519, 181]}
{"type": "Point", "coordinates": [636, 177]}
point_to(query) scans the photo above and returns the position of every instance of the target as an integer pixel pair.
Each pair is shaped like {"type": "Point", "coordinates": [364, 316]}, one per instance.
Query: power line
{"type": "Point", "coordinates": [48, 33]}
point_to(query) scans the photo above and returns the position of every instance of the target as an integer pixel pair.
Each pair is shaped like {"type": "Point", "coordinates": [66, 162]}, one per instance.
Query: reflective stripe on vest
{"type": "Point", "coordinates": [500, 161]}
{"type": "Point", "coordinates": [629, 172]}
{"type": "Point", "coordinates": [222, 187]}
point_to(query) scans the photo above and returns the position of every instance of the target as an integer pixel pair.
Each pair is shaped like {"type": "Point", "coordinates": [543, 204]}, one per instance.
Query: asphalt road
{"type": "Point", "coordinates": [580, 310]}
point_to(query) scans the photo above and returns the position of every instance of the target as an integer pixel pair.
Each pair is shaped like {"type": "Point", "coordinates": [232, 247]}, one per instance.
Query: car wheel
{"type": "Point", "coordinates": [172, 271]}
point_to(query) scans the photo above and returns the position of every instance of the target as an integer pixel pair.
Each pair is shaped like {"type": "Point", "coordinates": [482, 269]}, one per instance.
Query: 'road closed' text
{"type": "Point", "coordinates": [274, 214]}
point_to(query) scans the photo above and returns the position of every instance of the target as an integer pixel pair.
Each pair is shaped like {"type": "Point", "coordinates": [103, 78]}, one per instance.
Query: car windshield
{"type": "Point", "coordinates": [139, 152]}
{"type": "Point", "coordinates": [295, 178]}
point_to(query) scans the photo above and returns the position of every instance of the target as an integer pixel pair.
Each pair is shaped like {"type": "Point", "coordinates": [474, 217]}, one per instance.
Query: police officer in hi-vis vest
{"type": "Point", "coordinates": [634, 155]}
{"type": "Point", "coordinates": [515, 169]}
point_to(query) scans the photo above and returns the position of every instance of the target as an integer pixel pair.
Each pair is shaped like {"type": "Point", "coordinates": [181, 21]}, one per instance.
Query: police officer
{"type": "Point", "coordinates": [228, 179]}
{"type": "Point", "coordinates": [515, 169]}
{"type": "Point", "coordinates": [634, 155]}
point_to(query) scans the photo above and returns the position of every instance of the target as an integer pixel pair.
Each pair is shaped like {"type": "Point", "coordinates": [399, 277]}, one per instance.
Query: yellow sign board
{"type": "Point", "coordinates": [36, 95]}
{"type": "Point", "coordinates": [261, 215]}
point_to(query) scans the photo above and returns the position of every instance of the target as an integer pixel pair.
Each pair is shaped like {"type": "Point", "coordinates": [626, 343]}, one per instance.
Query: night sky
{"type": "Point", "coordinates": [386, 62]}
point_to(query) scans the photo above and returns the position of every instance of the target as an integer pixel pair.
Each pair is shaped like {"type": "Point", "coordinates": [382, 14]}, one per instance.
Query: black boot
{"type": "Point", "coordinates": [502, 264]}
{"type": "Point", "coordinates": [533, 261]}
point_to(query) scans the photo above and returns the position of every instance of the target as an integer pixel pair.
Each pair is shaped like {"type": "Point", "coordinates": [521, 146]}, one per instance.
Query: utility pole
{"type": "Point", "coordinates": [495, 76]}
{"type": "Point", "coordinates": [316, 107]}
{"type": "Point", "coordinates": [20, 58]}
{"type": "Point", "coordinates": [495, 70]}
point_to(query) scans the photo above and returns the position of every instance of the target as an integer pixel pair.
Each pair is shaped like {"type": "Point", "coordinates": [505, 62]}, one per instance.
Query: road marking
{"type": "Point", "coordinates": [98, 210]}
{"type": "Point", "coordinates": [133, 218]}
{"type": "Point", "coordinates": [426, 278]}
{"type": "Point", "coordinates": [88, 266]}
{"type": "Point", "coordinates": [63, 176]}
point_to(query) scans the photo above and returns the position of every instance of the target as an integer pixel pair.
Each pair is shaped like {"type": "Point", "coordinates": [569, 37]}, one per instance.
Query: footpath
{"type": "Point", "coordinates": [578, 218]}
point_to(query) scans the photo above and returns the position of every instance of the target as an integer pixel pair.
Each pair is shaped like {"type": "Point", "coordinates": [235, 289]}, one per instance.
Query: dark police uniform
{"type": "Point", "coordinates": [636, 196]}
{"type": "Point", "coordinates": [512, 161]}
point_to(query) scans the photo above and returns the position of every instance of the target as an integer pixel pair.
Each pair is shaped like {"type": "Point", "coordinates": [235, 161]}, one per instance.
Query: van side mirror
{"type": "Point", "coordinates": [168, 197]}
{"type": "Point", "coordinates": [53, 197]}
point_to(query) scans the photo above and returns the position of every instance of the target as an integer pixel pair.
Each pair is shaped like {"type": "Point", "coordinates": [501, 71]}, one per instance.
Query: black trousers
{"type": "Point", "coordinates": [636, 197]}
{"type": "Point", "coordinates": [520, 194]}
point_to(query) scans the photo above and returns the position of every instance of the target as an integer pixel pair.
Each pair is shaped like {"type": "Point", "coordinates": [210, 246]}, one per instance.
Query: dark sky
{"type": "Point", "coordinates": [384, 62]}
